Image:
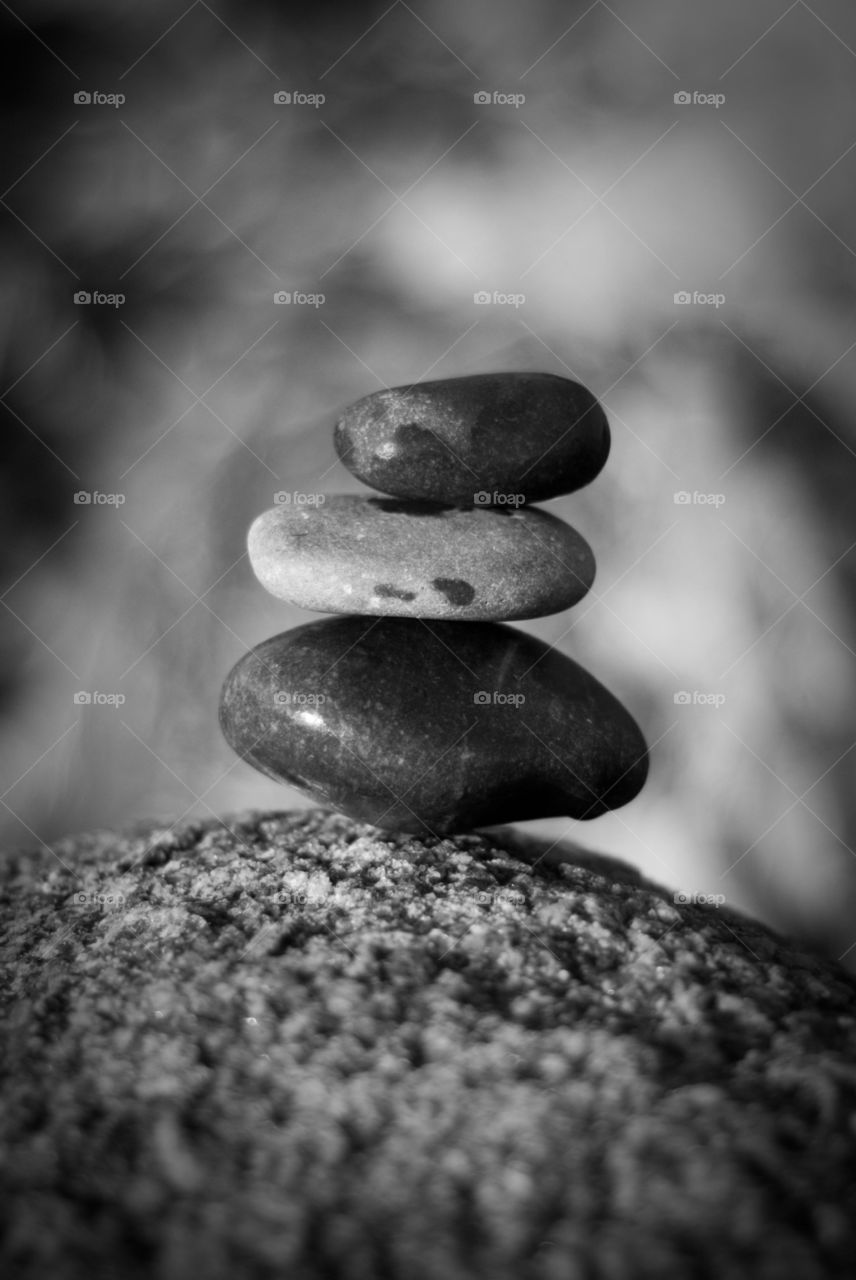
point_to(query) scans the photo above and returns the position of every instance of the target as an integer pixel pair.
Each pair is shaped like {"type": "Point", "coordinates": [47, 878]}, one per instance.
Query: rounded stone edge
{"type": "Point", "coordinates": [344, 446]}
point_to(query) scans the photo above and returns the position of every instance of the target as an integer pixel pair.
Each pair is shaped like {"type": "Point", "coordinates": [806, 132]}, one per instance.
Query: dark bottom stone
{"type": "Point", "coordinates": [432, 727]}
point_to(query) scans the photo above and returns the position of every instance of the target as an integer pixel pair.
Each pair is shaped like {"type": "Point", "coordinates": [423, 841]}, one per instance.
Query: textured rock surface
{"type": "Point", "coordinates": [297, 1049]}
{"type": "Point", "coordinates": [483, 438]}
{"type": "Point", "coordinates": [432, 728]}
{"type": "Point", "coordinates": [420, 560]}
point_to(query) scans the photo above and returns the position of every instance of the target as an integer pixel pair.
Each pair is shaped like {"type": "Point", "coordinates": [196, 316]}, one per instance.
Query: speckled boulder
{"type": "Point", "coordinates": [289, 1046]}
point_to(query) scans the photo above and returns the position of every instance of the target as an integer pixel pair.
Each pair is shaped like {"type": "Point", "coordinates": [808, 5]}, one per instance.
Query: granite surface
{"type": "Point", "coordinates": [287, 1045]}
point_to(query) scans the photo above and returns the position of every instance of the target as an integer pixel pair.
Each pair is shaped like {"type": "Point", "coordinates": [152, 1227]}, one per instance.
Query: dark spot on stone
{"type": "Point", "coordinates": [394, 593]}
{"type": "Point", "coordinates": [413, 434]}
{"type": "Point", "coordinates": [455, 590]}
{"type": "Point", "coordinates": [422, 446]}
{"type": "Point", "coordinates": [406, 507]}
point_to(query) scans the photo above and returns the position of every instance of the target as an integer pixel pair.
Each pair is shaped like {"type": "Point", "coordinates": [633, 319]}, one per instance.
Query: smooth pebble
{"type": "Point", "coordinates": [432, 727]}
{"type": "Point", "coordinates": [408, 559]}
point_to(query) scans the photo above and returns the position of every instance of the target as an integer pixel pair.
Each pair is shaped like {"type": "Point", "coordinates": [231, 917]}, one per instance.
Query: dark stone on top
{"type": "Point", "coordinates": [478, 440]}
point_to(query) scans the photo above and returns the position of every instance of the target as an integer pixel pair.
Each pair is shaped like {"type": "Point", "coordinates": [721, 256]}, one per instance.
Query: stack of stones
{"type": "Point", "coordinates": [418, 711]}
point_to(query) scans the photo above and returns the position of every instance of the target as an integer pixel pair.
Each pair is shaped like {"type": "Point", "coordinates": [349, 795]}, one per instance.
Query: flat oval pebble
{"type": "Point", "coordinates": [387, 556]}
{"type": "Point", "coordinates": [432, 728]}
{"type": "Point", "coordinates": [476, 440]}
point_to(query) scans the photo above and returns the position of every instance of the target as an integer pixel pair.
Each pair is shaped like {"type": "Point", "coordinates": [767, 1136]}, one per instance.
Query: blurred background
{"type": "Point", "coordinates": [657, 197]}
